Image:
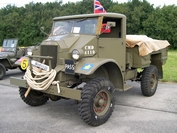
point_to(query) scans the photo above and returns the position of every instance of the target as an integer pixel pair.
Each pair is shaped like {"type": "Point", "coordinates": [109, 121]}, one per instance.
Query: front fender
{"type": "Point", "coordinates": [18, 62]}
{"type": "Point", "coordinates": [88, 66]}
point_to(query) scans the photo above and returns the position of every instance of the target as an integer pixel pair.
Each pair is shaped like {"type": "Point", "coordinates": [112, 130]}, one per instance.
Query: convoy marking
{"type": "Point", "coordinates": [24, 64]}
{"type": "Point", "coordinates": [87, 66]}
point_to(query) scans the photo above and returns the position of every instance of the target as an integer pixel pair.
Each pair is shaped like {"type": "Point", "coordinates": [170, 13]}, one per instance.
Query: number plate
{"type": "Point", "coordinates": [40, 65]}
{"type": "Point", "coordinates": [69, 66]}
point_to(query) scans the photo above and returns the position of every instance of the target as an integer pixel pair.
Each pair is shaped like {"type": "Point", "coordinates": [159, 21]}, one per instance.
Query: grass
{"type": "Point", "coordinates": [170, 68]}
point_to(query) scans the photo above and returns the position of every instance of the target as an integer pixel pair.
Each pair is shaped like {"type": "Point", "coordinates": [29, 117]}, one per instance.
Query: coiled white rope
{"type": "Point", "coordinates": [42, 80]}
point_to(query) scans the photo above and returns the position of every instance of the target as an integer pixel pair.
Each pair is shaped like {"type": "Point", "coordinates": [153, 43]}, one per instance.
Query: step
{"type": "Point", "coordinates": [127, 87]}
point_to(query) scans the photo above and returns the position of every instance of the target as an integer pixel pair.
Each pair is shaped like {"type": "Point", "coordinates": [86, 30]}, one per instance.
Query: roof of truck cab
{"type": "Point", "coordinates": [111, 15]}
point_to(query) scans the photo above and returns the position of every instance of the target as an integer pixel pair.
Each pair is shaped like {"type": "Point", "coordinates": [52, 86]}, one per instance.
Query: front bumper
{"type": "Point", "coordinates": [64, 91]}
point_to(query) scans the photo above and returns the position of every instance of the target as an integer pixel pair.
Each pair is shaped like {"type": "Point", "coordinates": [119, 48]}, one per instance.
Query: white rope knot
{"type": "Point", "coordinates": [56, 83]}
{"type": "Point", "coordinates": [43, 78]}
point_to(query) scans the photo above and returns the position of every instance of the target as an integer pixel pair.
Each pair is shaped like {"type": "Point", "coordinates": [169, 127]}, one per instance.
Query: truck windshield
{"type": "Point", "coordinates": [75, 26]}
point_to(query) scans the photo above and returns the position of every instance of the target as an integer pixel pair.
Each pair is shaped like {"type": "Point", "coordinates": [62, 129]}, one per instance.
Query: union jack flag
{"type": "Point", "coordinates": [98, 8]}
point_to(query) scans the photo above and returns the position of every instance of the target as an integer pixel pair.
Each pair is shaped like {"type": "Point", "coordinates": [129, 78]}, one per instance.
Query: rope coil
{"type": "Point", "coordinates": [42, 80]}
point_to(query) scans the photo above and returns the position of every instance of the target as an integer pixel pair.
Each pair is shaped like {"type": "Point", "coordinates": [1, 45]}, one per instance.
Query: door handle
{"type": "Point", "coordinates": [101, 46]}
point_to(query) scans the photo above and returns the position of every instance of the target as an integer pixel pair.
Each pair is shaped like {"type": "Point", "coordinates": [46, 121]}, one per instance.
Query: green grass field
{"type": "Point", "coordinates": [170, 68]}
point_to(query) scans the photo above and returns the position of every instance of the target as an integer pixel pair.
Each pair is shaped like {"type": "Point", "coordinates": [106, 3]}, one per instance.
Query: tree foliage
{"type": "Point", "coordinates": [142, 18]}
{"type": "Point", "coordinates": [161, 24]}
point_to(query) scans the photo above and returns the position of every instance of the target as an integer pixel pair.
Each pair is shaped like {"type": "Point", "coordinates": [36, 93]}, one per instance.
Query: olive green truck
{"type": "Point", "coordinates": [87, 58]}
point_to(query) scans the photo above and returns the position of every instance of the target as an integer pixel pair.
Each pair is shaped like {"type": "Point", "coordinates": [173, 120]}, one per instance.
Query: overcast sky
{"type": "Point", "coordinates": [23, 2]}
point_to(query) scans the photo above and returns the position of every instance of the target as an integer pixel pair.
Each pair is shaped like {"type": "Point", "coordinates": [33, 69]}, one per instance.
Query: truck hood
{"type": "Point", "coordinates": [62, 37]}
{"type": "Point", "coordinates": [67, 41]}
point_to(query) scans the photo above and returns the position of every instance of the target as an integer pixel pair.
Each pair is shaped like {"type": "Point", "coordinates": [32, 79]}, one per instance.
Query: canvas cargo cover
{"type": "Point", "coordinates": [146, 44]}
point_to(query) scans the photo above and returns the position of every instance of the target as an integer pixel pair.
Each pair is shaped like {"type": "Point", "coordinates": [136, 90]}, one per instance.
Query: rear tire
{"type": "Point", "coordinates": [2, 71]}
{"type": "Point", "coordinates": [34, 98]}
{"type": "Point", "coordinates": [98, 100]}
{"type": "Point", "coordinates": [149, 81]}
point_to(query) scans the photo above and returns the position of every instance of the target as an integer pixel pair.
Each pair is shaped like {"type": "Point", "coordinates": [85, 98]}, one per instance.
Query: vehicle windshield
{"type": "Point", "coordinates": [75, 26]}
{"type": "Point", "coordinates": [10, 43]}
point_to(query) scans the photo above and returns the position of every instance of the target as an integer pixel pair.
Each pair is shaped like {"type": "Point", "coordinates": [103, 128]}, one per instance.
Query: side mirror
{"type": "Point", "coordinates": [111, 24]}
{"type": "Point", "coordinates": [42, 28]}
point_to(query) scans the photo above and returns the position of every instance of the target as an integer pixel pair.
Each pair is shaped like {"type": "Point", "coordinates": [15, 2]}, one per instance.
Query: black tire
{"type": "Point", "coordinates": [149, 80]}
{"type": "Point", "coordinates": [98, 100]}
{"type": "Point", "coordinates": [34, 98]}
{"type": "Point", "coordinates": [2, 71]}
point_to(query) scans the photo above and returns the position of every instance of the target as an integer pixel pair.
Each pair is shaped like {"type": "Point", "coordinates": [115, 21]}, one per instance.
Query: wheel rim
{"type": "Point", "coordinates": [101, 102]}
{"type": "Point", "coordinates": [153, 81]}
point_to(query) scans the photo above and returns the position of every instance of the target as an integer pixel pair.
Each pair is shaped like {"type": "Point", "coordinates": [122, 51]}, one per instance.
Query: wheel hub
{"type": "Point", "coordinates": [153, 81]}
{"type": "Point", "coordinates": [101, 102]}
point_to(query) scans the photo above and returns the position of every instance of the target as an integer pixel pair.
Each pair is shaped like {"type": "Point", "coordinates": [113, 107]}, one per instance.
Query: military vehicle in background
{"type": "Point", "coordinates": [10, 53]}
{"type": "Point", "coordinates": [29, 51]}
{"type": "Point", "coordinates": [87, 58]}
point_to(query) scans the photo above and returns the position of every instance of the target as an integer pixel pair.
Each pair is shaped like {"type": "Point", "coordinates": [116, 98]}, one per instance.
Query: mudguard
{"type": "Point", "coordinates": [88, 66]}
{"type": "Point", "coordinates": [18, 62]}
{"type": "Point", "coordinates": [23, 62]}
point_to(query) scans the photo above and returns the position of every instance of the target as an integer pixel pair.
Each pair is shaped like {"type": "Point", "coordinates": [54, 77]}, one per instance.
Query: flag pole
{"type": "Point", "coordinates": [93, 6]}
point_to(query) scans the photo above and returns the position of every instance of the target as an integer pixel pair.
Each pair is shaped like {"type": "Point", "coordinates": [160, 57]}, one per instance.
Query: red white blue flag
{"type": "Point", "coordinates": [98, 8]}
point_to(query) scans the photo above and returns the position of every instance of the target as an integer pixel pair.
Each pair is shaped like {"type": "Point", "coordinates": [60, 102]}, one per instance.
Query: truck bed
{"type": "Point", "coordinates": [141, 51]}
{"type": "Point", "coordinates": [146, 45]}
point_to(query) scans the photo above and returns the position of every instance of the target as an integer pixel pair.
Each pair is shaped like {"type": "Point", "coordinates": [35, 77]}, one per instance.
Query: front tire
{"type": "Point", "coordinates": [34, 98]}
{"type": "Point", "coordinates": [98, 100]}
{"type": "Point", "coordinates": [2, 71]}
{"type": "Point", "coordinates": [149, 81]}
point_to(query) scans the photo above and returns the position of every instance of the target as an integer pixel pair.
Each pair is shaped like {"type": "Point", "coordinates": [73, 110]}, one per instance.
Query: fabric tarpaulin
{"type": "Point", "coordinates": [146, 44]}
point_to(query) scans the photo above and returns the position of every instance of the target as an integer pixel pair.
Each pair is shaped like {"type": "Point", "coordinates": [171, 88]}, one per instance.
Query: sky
{"type": "Point", "coordinates": [20, 3]}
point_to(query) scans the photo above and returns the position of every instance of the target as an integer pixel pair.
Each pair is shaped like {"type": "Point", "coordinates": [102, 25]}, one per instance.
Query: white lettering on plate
{"type": "Point", "coordinates": [69, 66]}
{"type": "Point", "coordinates": [89, 47]}
{"type": "Point", "coordinates": [89, 50]}
{"type": "Point", "coordinates": [40, 65]}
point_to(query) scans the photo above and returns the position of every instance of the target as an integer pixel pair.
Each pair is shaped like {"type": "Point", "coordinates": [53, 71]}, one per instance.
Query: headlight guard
{"type": "Point", "coordinates": [77, 54]}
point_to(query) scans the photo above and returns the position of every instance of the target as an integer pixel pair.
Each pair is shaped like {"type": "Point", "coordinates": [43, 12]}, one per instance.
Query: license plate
{"type": "Point", "coordinates": [69, 66]}
{"type": "Point", "coordinates": [40, 65]}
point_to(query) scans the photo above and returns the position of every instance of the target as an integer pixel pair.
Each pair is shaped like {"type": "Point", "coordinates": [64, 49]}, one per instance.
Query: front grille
{"type": "Point", "coordinates": [49, 50]}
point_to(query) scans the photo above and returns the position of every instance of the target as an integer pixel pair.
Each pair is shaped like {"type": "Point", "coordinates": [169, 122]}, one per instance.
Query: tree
{"type": "Point", "coordinates": [162, 24]}
{"type": "Point", "coordinates": [142, 18]}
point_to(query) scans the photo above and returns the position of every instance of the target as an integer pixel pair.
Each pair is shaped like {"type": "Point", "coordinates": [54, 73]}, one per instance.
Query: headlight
{"type": "Point", "coordinates": [29, 50]}
{"type": "Point", "coordinates": [77, 54]}
{"type": "Point", "coordinates": [29, 53]}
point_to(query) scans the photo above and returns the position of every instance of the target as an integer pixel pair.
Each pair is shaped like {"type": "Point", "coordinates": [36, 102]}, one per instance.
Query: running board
{"type": "Point", "coordinates": [127, 87]}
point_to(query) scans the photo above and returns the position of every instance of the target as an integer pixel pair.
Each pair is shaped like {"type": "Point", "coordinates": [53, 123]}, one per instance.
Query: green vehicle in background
{"type": "Point", "coordinates": [10, 53]}
{"type": "Point", "coordinates": [87, 58]}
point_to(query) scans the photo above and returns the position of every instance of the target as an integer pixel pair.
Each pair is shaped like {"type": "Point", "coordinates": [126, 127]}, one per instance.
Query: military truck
{"type": "Point", "coordinates": [88, 58]}
{"type": "Point", "coordinates": [10, 53]}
